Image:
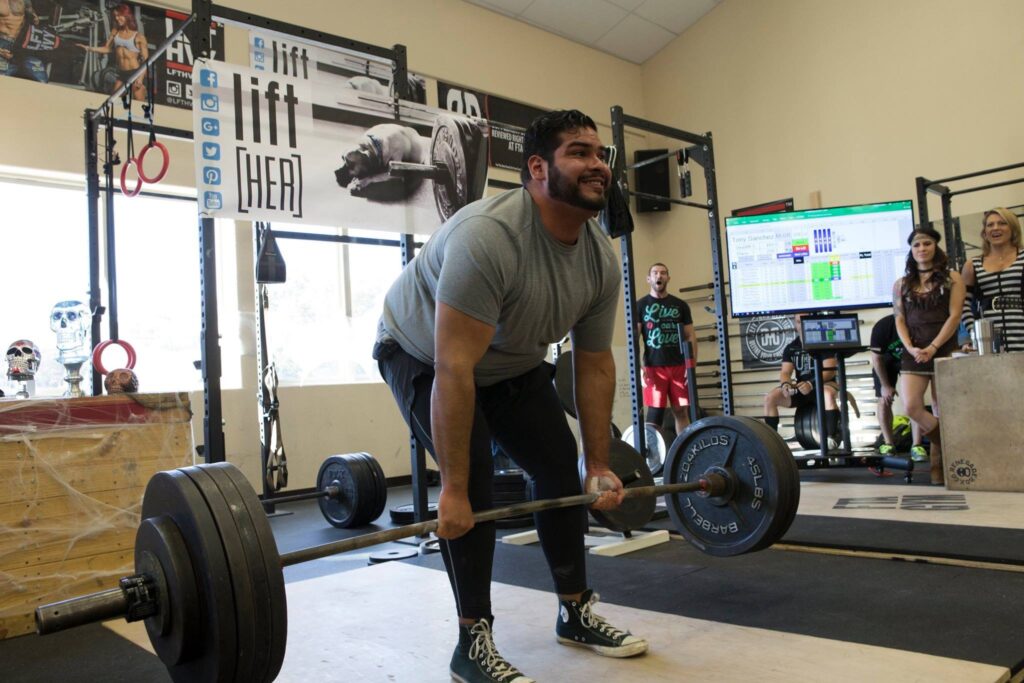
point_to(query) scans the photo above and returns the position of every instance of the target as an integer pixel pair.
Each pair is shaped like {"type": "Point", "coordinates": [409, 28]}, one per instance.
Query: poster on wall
{"type": "Point", "coordinates": [507, 120]}
{"type": "Point", "coordinates": [94, 45]}
{"type": "Point", "coordinates": [762, 340]}
{"type": "Point", "coordinates": [279, 148]}
{"type": "Point", "coordinates": [326, 68]}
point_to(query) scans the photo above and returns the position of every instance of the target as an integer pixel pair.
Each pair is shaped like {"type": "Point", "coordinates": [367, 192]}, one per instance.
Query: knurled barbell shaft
{"type": "Point", "coordinates": [327, 492]}
{"type": "Point", "coordinates": [713, 483]}
{"type": "Point", "coordinates": [111, 604]}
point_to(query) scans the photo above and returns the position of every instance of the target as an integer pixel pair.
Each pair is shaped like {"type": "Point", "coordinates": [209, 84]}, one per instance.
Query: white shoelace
{"type": "Point", "coordinates": [591, 620]}
{"type": "Point", "coordinates": [492, 660]}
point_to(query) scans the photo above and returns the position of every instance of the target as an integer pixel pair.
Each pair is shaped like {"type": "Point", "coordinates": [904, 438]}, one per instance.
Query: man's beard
{"type": "Point", "coordinates": [562, 189]}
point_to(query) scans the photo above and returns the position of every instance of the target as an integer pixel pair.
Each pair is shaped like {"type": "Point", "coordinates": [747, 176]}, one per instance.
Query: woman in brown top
{"type": "Point", "coordinates": [927, 302]}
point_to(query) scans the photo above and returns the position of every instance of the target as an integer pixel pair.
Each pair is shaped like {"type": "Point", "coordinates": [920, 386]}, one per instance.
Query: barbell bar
{"type": "Point", "coordinates": [115, 602]}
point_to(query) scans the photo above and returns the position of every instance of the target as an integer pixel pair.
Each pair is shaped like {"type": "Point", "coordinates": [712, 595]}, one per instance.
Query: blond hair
{"type": "Point", "coordinates": [1011, 220]}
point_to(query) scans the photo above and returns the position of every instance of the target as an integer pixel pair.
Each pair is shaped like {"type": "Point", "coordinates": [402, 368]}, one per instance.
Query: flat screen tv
{"type": "Point", "coordinates": [833, 259]}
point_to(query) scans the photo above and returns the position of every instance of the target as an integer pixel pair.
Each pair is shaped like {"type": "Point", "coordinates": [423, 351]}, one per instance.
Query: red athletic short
{"type": "Point", "coordinates": [665, 386]}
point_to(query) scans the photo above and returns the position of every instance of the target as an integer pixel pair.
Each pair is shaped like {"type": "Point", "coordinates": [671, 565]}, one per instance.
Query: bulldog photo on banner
{"type": "Point", "coordinates": [283, 148]}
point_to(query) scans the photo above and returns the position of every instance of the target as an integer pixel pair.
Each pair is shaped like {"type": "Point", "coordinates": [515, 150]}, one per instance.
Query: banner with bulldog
{"type": "Point", "coordinates": [95, 45]}
{"type": "Point", "coordinates": [280, 148]}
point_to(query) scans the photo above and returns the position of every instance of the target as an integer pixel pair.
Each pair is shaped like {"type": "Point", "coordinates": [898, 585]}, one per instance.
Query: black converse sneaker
{"type": "Point", "coordinates": [476, 660]}
{"type": "Point", "coordinates": [578, 625]}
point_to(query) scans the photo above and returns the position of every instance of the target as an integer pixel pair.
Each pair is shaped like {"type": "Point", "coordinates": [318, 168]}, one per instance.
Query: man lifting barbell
{"type": "Point", "coordinates": [462, 342]}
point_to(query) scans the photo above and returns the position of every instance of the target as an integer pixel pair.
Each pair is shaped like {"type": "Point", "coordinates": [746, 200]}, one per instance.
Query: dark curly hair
{"type": "Point", "coordinates": [940, 263]}
{"type": "Point", "coordinates": [541, 136]}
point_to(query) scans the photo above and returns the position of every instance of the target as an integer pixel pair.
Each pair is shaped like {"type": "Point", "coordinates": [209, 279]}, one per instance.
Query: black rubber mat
{"type": "Point", "coordinates": [969, 614]}
{"type": "Point", "coordinates": [981, 544]}
{"type": "Point", "coordinates": [73, 657]}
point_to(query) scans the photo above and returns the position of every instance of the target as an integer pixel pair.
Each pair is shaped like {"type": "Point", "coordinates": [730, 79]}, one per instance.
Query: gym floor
{"type": "Point", "coordinates": [876, 580]}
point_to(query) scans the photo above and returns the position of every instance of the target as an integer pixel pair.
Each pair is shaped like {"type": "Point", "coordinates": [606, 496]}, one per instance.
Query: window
{"type": "Point", "coordinates": [321, 323]}
{"type": "Point", "coordinates": [46, 260]}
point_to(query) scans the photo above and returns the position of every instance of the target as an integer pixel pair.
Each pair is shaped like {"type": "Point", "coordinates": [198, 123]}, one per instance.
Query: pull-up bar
{"type": "Point", "coordinates": [153, 56]}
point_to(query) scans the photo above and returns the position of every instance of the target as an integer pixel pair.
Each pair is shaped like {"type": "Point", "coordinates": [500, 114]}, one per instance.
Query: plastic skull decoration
{"type": "Point", "coordinates": [22, 360]}
{"type": "Point", "coordinates": [70, 321]}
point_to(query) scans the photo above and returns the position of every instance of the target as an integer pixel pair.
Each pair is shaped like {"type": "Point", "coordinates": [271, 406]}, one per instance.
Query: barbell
{"type": "Point", "coordinates": [209, 581]}
{"type": "Point", "coordinates": [454, 145]}
{"type": "Point", "coordinates": [351, 490]}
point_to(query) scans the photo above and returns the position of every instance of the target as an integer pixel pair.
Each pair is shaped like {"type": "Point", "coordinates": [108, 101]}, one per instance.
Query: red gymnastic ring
{"type": "Point", "coordinates": [124, 178]}
{"type": "Point", "coordinates": [97, 353]}
{"type": "Point", "coordinates": [163, 169]}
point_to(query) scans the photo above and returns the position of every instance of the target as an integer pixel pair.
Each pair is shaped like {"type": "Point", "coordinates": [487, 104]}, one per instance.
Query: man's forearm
{"type": "Point", "coordinates": [452, 404]}
{"type": "Point", "coordinates": [595, 389]}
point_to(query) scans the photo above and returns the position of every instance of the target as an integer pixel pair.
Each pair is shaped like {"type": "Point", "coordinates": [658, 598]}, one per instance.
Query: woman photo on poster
{"type": "Point", "coordinates": [130, 50]}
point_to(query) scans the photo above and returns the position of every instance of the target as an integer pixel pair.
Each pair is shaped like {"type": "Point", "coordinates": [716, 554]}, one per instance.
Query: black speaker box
{"type": "Point", "coordinates": [652, 179]}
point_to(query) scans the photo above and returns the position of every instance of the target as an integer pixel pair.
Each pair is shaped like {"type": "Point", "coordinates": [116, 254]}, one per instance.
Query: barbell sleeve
{"type": "Point", "coordinates": [88, 609]}
{"type": "Point", "coordinates": [433, 172]}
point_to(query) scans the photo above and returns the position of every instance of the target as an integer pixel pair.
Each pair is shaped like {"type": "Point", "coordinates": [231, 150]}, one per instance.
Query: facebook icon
{"type": "Point", "coordinates": [208, 78]}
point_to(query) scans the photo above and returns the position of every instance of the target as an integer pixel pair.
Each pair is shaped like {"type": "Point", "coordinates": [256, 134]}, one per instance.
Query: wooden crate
{"type": "Point", "coordinates": [980, 420]}
{"type": "Point", "coordinates": [72, 476]}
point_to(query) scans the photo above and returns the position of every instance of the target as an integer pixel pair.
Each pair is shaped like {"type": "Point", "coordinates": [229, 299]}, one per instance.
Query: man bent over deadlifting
{"type": "Point", "coordinates": [462, 342]}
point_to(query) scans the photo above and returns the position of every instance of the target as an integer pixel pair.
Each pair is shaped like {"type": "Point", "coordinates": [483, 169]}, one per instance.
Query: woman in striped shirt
{"type": "Point", "coordinates": [994, 279]}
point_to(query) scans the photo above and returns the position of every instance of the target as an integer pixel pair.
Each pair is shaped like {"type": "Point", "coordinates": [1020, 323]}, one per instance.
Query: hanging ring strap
{"type": "Point", "coordinates": [277, 461]}
{"type": "Point", "coordinates": [149, 108]}
{"type": "Point", "coordinates": [131, 161]}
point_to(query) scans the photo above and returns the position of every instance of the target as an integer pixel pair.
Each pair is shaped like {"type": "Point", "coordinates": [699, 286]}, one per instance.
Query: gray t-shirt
{"type": "Point", "coordinates": [494, 261]}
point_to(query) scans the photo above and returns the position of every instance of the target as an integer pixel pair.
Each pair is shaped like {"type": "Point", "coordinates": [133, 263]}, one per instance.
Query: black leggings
{"type": "Point", "coordinates": [524, 416]}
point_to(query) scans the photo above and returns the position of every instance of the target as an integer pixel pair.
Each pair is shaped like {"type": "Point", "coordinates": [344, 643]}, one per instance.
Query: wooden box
{"type": "Point", "coordinates": [72, 476]}
{"type": "Point", "coordinates": [980, 420]}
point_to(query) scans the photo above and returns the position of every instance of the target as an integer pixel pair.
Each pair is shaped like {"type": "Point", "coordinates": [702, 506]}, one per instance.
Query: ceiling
{"type": "Point", "coordinates": [634, 30]}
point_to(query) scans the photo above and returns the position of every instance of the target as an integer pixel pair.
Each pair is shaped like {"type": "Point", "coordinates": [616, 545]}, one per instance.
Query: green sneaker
{"type": "Point", "coordinates": [919, 453]}
{"type": "Point", "coordinates": [886, 449]}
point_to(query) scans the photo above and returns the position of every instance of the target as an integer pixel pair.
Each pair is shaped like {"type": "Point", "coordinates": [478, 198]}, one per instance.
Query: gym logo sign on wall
{"type": "Point", "coordinates": [963, 471]}
{"type": "Point", "coordinates": [764, 338]}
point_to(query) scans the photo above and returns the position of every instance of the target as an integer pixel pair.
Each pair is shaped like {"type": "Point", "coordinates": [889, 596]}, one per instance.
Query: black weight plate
{"type": "Point", "coordinates": [784, 457]}
{"type": "Point", "coordinates": [246, 613]}
{"type": "Point", "coordinates": [160, 551]}
{"type": "Point", "coordinates": [634, 513]}
{"type": "Point", "coordinates": [173, 494]}
{"type": "Point", "coordinates": [770, 440]}
{"type": "Point", "coordinates": [739, 521]}
{"type": "Point", "coordinates": [277, 624]}
{"type": "Point", "coordinates": [370, 495]}
{"type": "Point", "coordinates": [656, 446]}
{"type": "Point", "coordinates": [447, 148]}
{"type": "Point", "coordinates": [391, 555]}
{"type": "Point", "coordinates": [381, 483]}
{"type": "Point", "coordinates": [340, 511]}
{"type": "Point", "coordinates": [805, 425]}
{"type": "Point", "coordinates": [564, 382]}
{"type": "Point", "coordinates": [403, 514]}
{"type": "Point", "coordinates": [254, 565]}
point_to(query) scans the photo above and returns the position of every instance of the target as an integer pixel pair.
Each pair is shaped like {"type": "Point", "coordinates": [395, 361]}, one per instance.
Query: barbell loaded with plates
{"type": "Point", "coordinates": [351, 490]}
{"type": "Point", "coordinates": [209, 582]}
{"type": "Point", "coordinates": [453, 149]}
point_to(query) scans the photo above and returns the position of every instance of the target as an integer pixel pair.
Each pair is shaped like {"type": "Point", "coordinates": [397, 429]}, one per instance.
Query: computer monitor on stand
{"type": "Point", "coordinates": [825, 336]}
